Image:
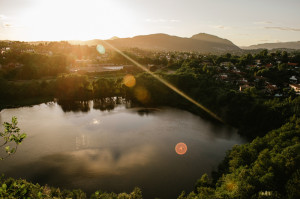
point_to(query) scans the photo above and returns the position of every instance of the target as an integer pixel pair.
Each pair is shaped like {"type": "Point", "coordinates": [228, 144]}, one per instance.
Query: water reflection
{"type": "Point", "coordinates": [102, 104]}
{"type": "Point", "coordinates": [82, 142]}
{"type": "Point", "coordinates": [146, 111]}
{"type": "Point", "coordinates": [74, 106]}
{"type": "Point", "coordinates": [115, 149]}
{"type": "Point", "coordinates": [105, 104]}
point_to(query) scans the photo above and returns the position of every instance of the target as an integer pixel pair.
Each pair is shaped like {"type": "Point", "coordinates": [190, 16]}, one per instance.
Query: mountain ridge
{"type": "Point", "coordinates": [270, 46]}
{"type": "Point", "coordinates": [201, 42]}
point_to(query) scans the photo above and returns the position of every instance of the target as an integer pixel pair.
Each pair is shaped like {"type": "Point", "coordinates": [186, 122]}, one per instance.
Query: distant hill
{"type": "Point", "coordinates": [211, 38]}
{"type": "Point", "coordinates": [269, 46]}
{"type": "Point", "coordinates": [200, 42]}
{"type": "Point", "coordinates": [113, 38]}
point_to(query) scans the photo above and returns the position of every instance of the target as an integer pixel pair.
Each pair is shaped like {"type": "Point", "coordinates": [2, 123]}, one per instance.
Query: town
{"type": "Point", "coordinates": [275, 73]}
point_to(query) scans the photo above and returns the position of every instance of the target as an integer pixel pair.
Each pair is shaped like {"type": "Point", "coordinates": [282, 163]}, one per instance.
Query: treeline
{"type": "Point", "coordinates": [250, 113]}
{"type": "Point", "coordinates": [66, 87]}
{"type": "Point", "coordinates": [12, 188]}
{"type": "Point", "coordinates": [24, 66]}
{"type": "Point", "coordinates": [268, 167]}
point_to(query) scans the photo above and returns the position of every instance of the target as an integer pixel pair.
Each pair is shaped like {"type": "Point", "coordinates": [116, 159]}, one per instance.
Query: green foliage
{"type": "Point", "coordinates": [73, 86]}
{"type": "Point", "coordinates": [135, 194]}
{"type": "Point", "coordinates": [11, 137]}
{"type": "Point", "coordinates": [33, 65]}
{"type": "Point", "coordinates": [12, 188]}
{"type": "Point", "coordinates": [268, 167]}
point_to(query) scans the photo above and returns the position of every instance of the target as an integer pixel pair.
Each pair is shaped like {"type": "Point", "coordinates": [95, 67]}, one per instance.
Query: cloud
{"type": "Point", "coordinates": [4, 23]}
{"type": "Point", "coordinates": [2, 17]}
{"type": "Point", "coordinates": [162, 20]}
{"type": "Point", "coordinates": [283, 28]}
{"type": "Point", "coordinates": [263, 22]}
{"type": "Point", "coordinates": [221, 27]}
{"type": "Point", "coordinates": [7, 25]}
{"type": "Point", "coordinates": [263, 40]}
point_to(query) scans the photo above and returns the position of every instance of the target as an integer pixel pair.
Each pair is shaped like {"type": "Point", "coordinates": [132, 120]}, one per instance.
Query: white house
{"type": "Point", "coordinates": [295, 87]}
{"type": "Point", "coordinates": [293, 79]}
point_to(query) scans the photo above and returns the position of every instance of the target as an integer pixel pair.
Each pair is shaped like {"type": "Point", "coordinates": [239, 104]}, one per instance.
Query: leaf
{"type": "Point", "coordinates": [40, 194]}
{"type": "Point", "coordinates": [13, 150]}
{"type": "Point", "coordinates": [4, 186]}
{"type": "Point", "coordinates": [7, 148]}
{"type": "Point", "coordinates": [14, 120]}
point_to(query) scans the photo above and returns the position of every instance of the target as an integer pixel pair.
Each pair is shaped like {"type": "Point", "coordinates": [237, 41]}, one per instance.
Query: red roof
{"type": "Point", "coordinates": [269, 65]}
{"type": "Point", "coordinates": [293, 64]}
{"type": "Point", "coordinates": [295, 85]}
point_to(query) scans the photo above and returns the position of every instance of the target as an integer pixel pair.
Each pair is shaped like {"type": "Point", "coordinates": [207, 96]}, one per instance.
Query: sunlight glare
{"type": "Point", "coordinates": [95, 121]}
{"type": "Point", "coordinates": [75, 20]}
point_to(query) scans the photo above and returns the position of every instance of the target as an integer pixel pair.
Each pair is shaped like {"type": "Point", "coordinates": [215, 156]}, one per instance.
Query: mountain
{"type": "Point", "coordinates": [114, 37]}
{"type": "Point", "coordinates": [269, 46]}
{"type": "Point", "coordinates": [200, 42]}
{"type": "Point", "coordinates": [211, 38]}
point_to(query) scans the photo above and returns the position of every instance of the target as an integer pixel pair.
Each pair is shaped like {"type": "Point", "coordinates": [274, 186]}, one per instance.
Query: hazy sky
{"type": "Point", "coordinates": [244, 22]}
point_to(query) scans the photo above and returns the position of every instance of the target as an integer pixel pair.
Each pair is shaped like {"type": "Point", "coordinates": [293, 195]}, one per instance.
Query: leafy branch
{"type": "Point", "coordinates": [11, 137]}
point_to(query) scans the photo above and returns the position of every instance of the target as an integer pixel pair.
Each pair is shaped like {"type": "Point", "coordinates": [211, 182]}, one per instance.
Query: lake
{"type": "Point", "coordinates": [111, 146]}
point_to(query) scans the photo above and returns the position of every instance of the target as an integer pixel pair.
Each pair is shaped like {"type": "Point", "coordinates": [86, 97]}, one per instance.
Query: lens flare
{"type": "Point", "coordinates": [181, 148]}
{"type": "Point", "coordinates": [142, 94]}
{"type": "Point", "coordinates": [166, 83]}
{"type": "Point", "coordinates": [101, 49]}
{"type": "Point", "coordinates": [129, 81]}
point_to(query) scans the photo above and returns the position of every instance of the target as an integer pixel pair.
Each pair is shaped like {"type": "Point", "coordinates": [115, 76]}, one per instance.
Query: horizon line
{"type": "Point", "coordinates": [85, 40]}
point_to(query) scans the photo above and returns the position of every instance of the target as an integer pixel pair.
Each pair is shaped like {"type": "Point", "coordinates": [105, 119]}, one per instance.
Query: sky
{"type": "Point", "coordinates": [244, 22]}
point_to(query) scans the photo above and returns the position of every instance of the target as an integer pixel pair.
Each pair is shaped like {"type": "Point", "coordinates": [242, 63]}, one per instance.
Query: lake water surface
{"type": "Point", "coordinates": [112, 147]}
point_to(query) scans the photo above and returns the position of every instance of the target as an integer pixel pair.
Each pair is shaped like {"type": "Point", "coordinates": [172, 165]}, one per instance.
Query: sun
{"type": "Point", "coordinates": [77, 20]}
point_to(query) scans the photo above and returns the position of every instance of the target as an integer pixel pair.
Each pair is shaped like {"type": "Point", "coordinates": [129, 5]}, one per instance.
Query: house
{"type": "Point", "coordinates": [269, 65]}
{"type": "Point", "coordinates": [295, 87]}
{"type": "Point", "coordinates": [293, 80]}
{"type": "Point", "coordinates": [243, 87]}
{"type": "Point", "coordinates": [257, 62]}
{"type": "Point", "coordinates": [271, 88]}
{"type": "Point", "coordinates": [4, 50]}
{"type": "Point", "coordinates": [226, 64]}
{"type": "Point", "coordinates": [223, 76]}
{"type": "Point", "coordinates": [243, 81]}
{"type": "Point", "coordinates": [293, 64]}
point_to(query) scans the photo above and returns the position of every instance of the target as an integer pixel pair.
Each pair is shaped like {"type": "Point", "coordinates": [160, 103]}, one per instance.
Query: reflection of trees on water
{"type": "Point", "coordinates": [103, 104]}
{"type": "Point", "coordinates": [74, 106]}
{"type": "Point", "coordinates": [109, 103]}
{"type": "Point", "coordinates": [146, 111]}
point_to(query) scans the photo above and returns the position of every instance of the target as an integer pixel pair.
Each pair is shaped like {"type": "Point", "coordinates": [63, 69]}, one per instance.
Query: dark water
{"type": "Point", "coordinates": [100, 145]}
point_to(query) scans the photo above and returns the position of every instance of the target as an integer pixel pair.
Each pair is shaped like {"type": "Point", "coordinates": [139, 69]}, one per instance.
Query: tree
{"type": "Point", "coordinates": [11, 137]}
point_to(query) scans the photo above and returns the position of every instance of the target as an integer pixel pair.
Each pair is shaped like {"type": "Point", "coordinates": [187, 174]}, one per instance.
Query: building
{"type": "Point", "coordinates": [293, 80]}
{"type": "Point", "coordinates": [295, 87]}
{"type": "Point", "coordinates": [271, 88]}
{"type": "Point", "coordinates": [243, 87]}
